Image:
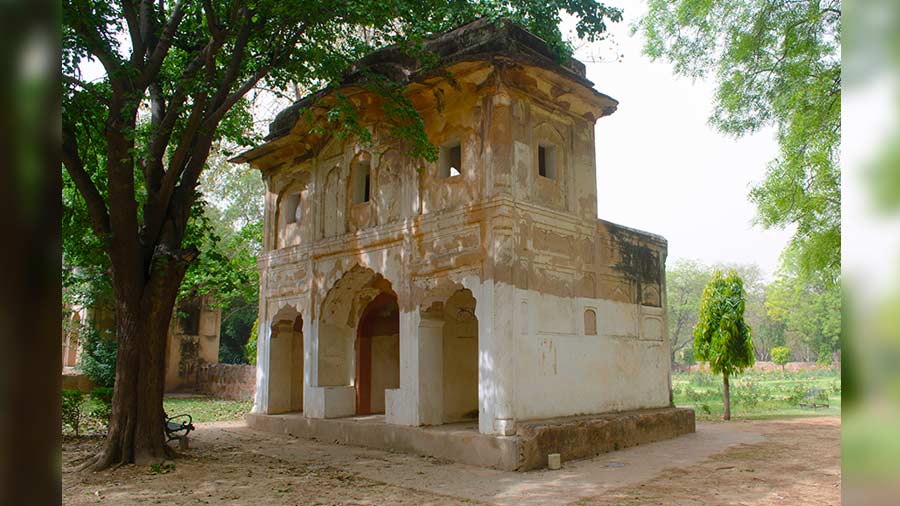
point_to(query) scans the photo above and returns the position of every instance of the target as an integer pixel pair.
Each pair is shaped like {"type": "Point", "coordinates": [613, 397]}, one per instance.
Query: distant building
{"type": "Point", "coordinates": [192, 341]}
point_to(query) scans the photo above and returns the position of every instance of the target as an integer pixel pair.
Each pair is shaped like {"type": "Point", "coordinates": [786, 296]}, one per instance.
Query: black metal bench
{"type": "Point", "coordinates": [178, 426]}
{"type": "Point", "coordinates": [813, 399]}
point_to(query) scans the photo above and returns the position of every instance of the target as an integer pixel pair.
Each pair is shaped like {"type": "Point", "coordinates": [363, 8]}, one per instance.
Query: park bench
{"type": "Point", "coordinates": [813, 399]}
{"type": "Point", "coordinates": [178, 427]}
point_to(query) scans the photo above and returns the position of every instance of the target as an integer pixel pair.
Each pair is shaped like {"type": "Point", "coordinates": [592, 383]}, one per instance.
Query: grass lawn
{"type": "Point", "coordinates": [758, 394]}
{"type": "Point", "coordinates": [201, 408]}
{"type": "Point", "coordinates": [207, 409]}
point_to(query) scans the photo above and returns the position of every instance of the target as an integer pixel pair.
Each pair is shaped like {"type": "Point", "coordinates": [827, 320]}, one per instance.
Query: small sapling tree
{"type": "Point", "coordinates": [721, 336]}
{"type": "Point", "coordinates": [781, 355]}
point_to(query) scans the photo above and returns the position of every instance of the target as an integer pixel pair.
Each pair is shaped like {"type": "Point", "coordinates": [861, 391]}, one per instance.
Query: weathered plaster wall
{"type": "Point", "coordinates": [188, 349]}
{"type": "Point", "coordinates": [561, 371]}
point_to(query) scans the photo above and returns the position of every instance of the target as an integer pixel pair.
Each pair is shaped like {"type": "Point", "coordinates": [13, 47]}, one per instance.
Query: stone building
{"type": "Point", "coordinates": [193, 340]}
{"type": "Point", "coordinates": [480, 287]}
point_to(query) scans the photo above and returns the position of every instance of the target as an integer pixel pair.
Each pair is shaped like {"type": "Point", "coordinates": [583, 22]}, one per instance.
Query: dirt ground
{"type": "Point", "coordinates": [785, 462]}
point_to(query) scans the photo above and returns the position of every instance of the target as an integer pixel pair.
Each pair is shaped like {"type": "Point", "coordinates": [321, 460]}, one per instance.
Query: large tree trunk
{"type": "Point", "coordinates": [726, 397]}
{"type": "Point", "coordinates": [136, 426]}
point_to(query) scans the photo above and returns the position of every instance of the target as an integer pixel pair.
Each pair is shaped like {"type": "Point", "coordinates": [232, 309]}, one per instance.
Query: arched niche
{"type": "Point", "coordinates": [389, 186]}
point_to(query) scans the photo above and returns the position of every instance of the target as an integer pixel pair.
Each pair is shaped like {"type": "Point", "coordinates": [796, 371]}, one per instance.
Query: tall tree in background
{"type": "Point", "coordinates": [809, 310]}
{"type": "Point", "coordinates": [685, 280]}
{"type": "Point", "coordinates": [175, 77]}
{"type": "Point", "coordinates": [776, 63]}
{"type": "Point", "coordinates": [721, 337]}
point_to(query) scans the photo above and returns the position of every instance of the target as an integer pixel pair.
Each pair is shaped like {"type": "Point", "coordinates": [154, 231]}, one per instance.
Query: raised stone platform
{"type": "Point", "coordinates": [571, 437]}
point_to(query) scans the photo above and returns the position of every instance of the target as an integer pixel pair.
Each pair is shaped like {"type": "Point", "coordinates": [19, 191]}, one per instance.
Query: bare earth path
{"type": "Point", "coordinates": [783, 462]}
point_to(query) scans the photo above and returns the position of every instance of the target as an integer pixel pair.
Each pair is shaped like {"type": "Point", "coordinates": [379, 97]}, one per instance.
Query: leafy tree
{"type": "Point", "coordinates": [810, 311]}
{"type": "Point", "coordinates": [721, 336]}
{"type": "Point", "coordinates": [685, 280]}
{"type": "Point", "coordinates": [98, 356]}
{"type": "Point", "coordinates": [781, 355]}
{"type": "Point", "coordinates": [250, 348]}
{"type": "Point", "coordinates": [175, 77]}
{"type": "Point", "coordinates": [775, 64]}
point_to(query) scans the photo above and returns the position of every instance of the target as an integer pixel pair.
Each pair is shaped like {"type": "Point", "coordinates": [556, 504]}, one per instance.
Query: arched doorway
{"type": "Point", "coordinates": [286, 363]}
{"type": "Point", "coordinates": [460, 358]}
{"type": "Point", "coordinates": [357, 343]}
{"type": "Point", "coordinates": [377, 353]}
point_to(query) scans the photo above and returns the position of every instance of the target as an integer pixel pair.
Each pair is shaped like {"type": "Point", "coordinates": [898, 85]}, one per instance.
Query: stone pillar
{"type": "Point", "coordinates": [496, 362]}
{"type": "Point", "coordinates": [261, 400]}
{"type": "Point", "coordinates": [496, 334]}
{"type": "Point", "coordinates": [401, 404]}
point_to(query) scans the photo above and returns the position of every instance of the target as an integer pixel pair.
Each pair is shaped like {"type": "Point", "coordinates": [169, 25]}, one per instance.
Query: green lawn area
{"type": "Point", "coordinates": [207, 409]}
{"type": "Point", "coordinates": [758, 394]}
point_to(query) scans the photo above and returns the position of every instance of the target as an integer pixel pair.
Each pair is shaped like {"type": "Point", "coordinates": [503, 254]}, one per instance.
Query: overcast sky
{"type": "Point", "coordinates": [662, 169]}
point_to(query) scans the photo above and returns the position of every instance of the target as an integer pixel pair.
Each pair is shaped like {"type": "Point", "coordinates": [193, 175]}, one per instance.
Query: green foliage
{"type": "Point", "coordinates": [250, 348]}
{"type": "Point", "coordinates": [809, 309]}
{"type": "Point", "coordinates": [685, 280]}
{"type": "Point", "coordinates": [72, 415]}
{"type": "Point", "coordinates": [775, 64]}
{"type": "Point", "coordinates": [162, 468]}
{"type": "Point", "coordinates": [721, 336]}
{"type": "Point", "coordinates": [98, 356]}
{"type": "Point", "coordinates": [781, 355]}
{"type": "Point", "coordinates": [102, 400]}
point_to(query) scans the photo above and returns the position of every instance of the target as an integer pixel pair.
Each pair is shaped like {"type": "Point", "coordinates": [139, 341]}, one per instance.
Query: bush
{"type": "Point", "coordinates": [747, 394]}
{"type": "Point", "coordinates": [72, 415]}
{"type": "Point", "coordinates": [703, 379]}
{"type": "Point", "coordinates": [98, 358]}
{"type": "Point", "coordinates": [781, 355]}
{"type": "Point", "coordinates": [102, 397]}
{"type": "Point", "coordinates": [250, 348]}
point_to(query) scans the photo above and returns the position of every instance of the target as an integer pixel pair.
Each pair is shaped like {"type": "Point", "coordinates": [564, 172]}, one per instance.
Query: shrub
{"type": "Point", "coordinates": [703, 379]}
{"type": "Point", "coordinates": [250, 347]}
{"type": "Point", "coordinates": [98, 359]}
{"type": "Point", "coordinates": [72, 415]}
{"type": "Point", "coordinates": [102, 397]}
{"type": "Point", "coordinates": [781, 355]}
{"type": "Point", "coordinates": [747, 394]}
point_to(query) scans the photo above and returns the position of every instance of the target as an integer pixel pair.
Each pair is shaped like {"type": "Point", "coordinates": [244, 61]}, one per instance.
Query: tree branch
{"type": "Point", "coordinates": [162, 46]}
{"type": "Point", "coordinates": [134, 31]}
{"type": "Point", "coordinates": [86, 87]}
{"type": "Point", "coordinates": [75, 167]}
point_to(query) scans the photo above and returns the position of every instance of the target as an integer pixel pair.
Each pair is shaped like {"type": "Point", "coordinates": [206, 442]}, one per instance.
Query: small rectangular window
{"type": "Point", "coordinates": [450, 160]}
{"type": "Point", "coordinates": [547, 161]}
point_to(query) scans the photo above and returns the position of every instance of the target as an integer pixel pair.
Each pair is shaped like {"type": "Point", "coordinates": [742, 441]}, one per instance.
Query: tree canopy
{"type": "Point", "coordinates": [721, 335]}
{"type": "Point", "coordinates": [775, 64]}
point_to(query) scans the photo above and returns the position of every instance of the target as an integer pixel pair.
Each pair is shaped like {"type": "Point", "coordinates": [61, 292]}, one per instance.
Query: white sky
{"type": "Point", "coordinates": [662, 169]}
